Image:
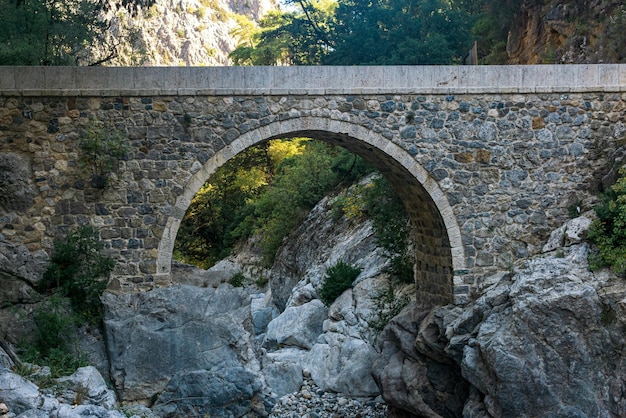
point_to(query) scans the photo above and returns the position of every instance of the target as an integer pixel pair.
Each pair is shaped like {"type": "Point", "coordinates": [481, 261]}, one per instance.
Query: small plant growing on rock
{"type": "Point", "coordinates": [102, 148]}
{"type": "Point", "coordinates": [338, 278]}
{"type": "Point", "coordinates": [238, 279]}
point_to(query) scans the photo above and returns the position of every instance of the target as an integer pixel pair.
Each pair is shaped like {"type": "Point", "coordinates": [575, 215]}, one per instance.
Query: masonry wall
{"type": "Point", "coordinates": [485, 175]}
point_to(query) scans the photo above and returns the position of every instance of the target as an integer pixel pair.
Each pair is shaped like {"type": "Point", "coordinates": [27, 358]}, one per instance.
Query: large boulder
{"type": "Point", "coordinates": [231, 392]}
{"type": "Point", "coordinates": [545, 341]}
{"type": "Point", "coordinates": [20, 271]}
{"type": "Point", "coordinates": [17, 393]}
{"type": "Point", "coordinates": [549, 342]}
{"type": "Point", "coordinates": [152, 336]}
{"type": "Point", "coordinates": [88, 384]}
{"type": "Point", "coordinates": [343, 364]}
{"type": "Point", "coordinates": [419, 382]}
{"type": "Point", "coordinates": [297, 326]}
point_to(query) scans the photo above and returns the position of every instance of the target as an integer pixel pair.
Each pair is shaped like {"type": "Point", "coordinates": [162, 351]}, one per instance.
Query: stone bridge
{"type": "Point", "coordinates": [488, 160]}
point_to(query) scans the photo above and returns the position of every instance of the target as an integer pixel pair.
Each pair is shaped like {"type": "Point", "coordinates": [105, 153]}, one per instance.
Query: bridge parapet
{"type": "Point", "coordinates": [319, 80]}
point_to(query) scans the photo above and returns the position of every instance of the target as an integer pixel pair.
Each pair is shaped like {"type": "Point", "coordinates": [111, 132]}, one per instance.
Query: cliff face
{"type": "Point", "coordinates": [568, 32]}
{"type": "Point", "coordinates": [179, 32]}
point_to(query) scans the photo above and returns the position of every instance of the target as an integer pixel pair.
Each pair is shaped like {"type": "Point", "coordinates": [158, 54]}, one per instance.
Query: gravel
{"type": "Point", "coordinates": [312, 402]}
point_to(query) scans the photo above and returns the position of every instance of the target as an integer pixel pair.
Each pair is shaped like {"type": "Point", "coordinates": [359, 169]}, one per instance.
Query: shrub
{"type": "Point", "coordinates": [55, 332]}
{"type": "Point", "coordinates": [337, 279]}
{"type": "Point", "coordinates": [238, 279]}
{"type": "Point", "coordinates": [102, 147]}
{"type": "Point", "coordinates": [387, 307]}
{"type": "Point", "coordinates": [378, 201]}
{"type": "Point", "coordinates": [608, 232]}
{"type": "Point", "coordinates": [77, 271]}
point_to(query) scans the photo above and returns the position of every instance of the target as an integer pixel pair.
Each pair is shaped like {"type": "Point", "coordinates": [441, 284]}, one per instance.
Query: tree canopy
{"type": "Point", "coordinates": [59, 32]}
{"type": "Point", "coordinates": [362, 32]}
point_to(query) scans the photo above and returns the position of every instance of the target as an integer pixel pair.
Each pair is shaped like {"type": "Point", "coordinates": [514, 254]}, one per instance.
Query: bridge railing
{"type": "Point", "coordinates": [311, 80]}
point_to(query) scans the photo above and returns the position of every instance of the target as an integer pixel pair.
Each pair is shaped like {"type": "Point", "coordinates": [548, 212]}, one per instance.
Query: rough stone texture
{"type": "Point", "coordinates": [91, 382]}
{"type": "Point", "coordinates": [197, 34]}
{"type": "Point", "coordinates": [19, 272]}
{"type": "Point", "coordinates": [572, 232]}
{"type": "Point", "coordinates": [343, 364]}
{"type": "Point", "coordinates": [486, 165]}
{"type": "Point", "coordinates": [423, 382]}
{"type": "Point", "coordinates": [222, 393]}
{"type": "Point", "coordinates": [18, 393]}
{"type": "Point", "coordinates": [149, 335]}
{"type": "Point", "coordinates": [339, 355]}
{"type": "Point", "coordinates": [16, 189]}
{"type": "Point", "coordinates": [552, 31]}
{"type": "Point", "coordinates": [297, 326]}
{"type": "Point", "coordinates": [545, 341]}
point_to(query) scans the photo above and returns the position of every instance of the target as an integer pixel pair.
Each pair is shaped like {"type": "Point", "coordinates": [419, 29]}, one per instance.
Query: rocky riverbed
{"type": "Point", "coordinates": [312, 402]}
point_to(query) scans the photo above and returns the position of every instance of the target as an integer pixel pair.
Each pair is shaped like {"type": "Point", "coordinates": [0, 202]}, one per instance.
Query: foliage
{"type": "Point", "coordinates": [357, 32]}
{"type": "Point", "coordinates": [102, 147]}
{"type": "Point", "coordinates": [48, 32]}
{"type": "Point", "coordinates": [492, 27]}
{"type": "Point", "coordinates": [237, 280]}
{"type": "Point", "coordinates": [56, 327]}
{"type": "Point", "coordinates": [608, 232]}
{"type": "Point", "coordinates": [337, 279]}
{"type": "Point", "coordinates": [77, 271]}
{"type": "Point", "coordinates": [265, 190]}
{"type": "Point", "coordinates": [284, 37]}
{"type": "Point", "coordinates": [61, 32]}
{"type": "Point", "coordinates": [387, 307]}
{"type": "Point", "coordinates": [206, 234]}
{"type": "Point", "coordinates": [378, 201]}
{"type": "Point", "coordinates": [399, 32]}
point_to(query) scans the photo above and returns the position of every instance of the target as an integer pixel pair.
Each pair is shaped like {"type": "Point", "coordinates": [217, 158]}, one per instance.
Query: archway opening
{"type": "Point", "coordinates": [438, 248]}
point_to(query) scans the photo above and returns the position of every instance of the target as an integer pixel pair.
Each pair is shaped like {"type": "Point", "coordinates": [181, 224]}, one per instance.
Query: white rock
{"type": "Point", "coordinates": [297, 326]}
{"type": "Point", "coordinates": [343, 364]}
{"type": "Point", "coordinates": [17, 393]}
{"type": "Point", "coordinates": [570, 233]}
{"type": "Point", "coordinates": [96, 391]}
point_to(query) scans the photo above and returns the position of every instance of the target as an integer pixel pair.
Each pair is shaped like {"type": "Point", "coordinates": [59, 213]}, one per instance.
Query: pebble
{"type": "Point", "coordinates": [312, 402]}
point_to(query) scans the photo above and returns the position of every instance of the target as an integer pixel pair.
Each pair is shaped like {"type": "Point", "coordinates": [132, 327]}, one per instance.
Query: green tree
{"type": "Point", "coordinates": [608, 232]}
{"type": "Point", "coordinates": [61, 32]}
{"type": "Point", "coordinates": [285, 37]}
{"type": "Point", "coordinates": [399, 32]}
{"type": "Point", "coordinates": [79, 272]}
{"type": "Point", "coordinates": [48, 32]}
{"type": "Point", "coordinates": [492, 27]}
{"type": "Point", "coordinates": [265, 190]}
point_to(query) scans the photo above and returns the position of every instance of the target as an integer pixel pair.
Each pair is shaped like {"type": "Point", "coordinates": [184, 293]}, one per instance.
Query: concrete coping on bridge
{"type": "Point", "coordinates": [310, 80]}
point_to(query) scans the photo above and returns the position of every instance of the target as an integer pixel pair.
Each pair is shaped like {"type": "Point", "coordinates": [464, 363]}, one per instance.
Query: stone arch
{"type": "Point", "coordinates": [440, 250]}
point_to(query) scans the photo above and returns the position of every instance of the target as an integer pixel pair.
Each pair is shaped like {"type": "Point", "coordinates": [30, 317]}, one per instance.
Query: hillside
{"type": "Point", "coordinates": [181, 32]}
{"type": "Point", "coordinates": [568, 32]}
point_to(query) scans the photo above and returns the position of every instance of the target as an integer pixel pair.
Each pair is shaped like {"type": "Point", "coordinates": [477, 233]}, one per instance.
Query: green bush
{"type": "Point", "coordinates": [391, 227]}
{"type": "Point", "coordinates": [102, 147]}
{"type": "Point", "coordinates": [608, 232]}
{"type": "Point", "coordinates": [55, 332]}
{"type": "Point", "coordinates": [237, 280]}
{"type": "Point", "coordinates": [338, 278]}
{"type": "Point", "coordinates": [78, 271]}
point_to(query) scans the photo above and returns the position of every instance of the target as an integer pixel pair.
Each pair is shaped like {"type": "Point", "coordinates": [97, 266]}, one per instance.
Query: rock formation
{"type": "Point", "coordinates": [542, 340]}
{"type": "Point", "coordinates": [191, 32]}
{"type": "Point", "coordinates": [574, 32]}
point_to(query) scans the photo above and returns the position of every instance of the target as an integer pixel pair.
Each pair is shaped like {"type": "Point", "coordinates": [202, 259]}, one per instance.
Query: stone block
{"type": "Point", "coordinates": [30, 78]}
{"type": "Point", "coordinates": [7, 78]}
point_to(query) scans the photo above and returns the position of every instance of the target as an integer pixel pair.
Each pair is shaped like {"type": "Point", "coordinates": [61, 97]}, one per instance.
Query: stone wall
{"type": "Point", "coordinates": [484, 175]}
